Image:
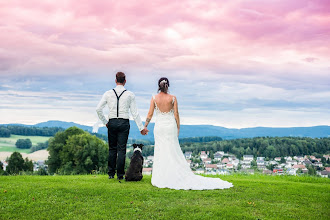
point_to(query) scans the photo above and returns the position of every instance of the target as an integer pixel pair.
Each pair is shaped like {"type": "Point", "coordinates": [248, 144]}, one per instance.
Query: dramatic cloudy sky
{"type": "Point", "coordinates": [230, 63]}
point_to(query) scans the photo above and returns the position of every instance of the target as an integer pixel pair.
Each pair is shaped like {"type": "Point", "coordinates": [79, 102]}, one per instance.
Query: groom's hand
{"type": "Point", "coordinates": [144, 131]}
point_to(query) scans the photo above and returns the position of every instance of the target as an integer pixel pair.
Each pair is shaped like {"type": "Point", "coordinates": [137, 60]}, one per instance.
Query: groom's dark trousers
{"type": "Point", "coordinates": [118, 131]}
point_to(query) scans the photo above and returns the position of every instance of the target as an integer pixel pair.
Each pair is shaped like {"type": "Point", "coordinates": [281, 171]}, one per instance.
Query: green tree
{"type": "Point", "coordinates": [254, 163]}
{"type": "Point", "coordinates": [86, 152]}
{"type": "Point", "coordinates": [211, 155]}
{"type": "Point", "coordinates": [15, 163]}
{"type": "Point", "coordinates": [248, 151]}
{"type": "Point", "coordinates": [270, 167]}
{"type": "Point", "coordinates": [28, 165]}
{"type": "Point", "coordinates": [23, 143]}
{"type": "Point", "coordinates": [311, 170]}
{"type": "Point", "coordinates": [40, 146]}
{"type": "Point", "coordinates": [42, 171]}
{"type": "Point", "coordinates": [76, 152]}
{"type": "Point", "coordinates": [56, 145]}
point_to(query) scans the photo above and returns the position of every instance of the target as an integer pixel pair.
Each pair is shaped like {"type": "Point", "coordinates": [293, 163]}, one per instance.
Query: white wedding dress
{"type": "Point", "coordinates": [170, 168]}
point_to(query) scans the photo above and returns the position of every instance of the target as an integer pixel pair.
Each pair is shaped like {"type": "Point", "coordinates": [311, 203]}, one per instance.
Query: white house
{"type": "Point", "coordinates": [150, 158]}
{"type": "Point", "coordinates": [277, 159]}
{"type": "Point", "coordinates": [188, 154]}
{"type": "Point", "coordinates": [288, 166]}
{"type": "Point", "coordinates": [207, 161]}
{"type": "Point", "coordinates": [147, 163]}
{"type": "Point", "coordinates": [217, 156]}
{"type": "Point", "coordinates": [203, 155]}
{"type": "Point", "coordinates": [248, 157]}
{"type": "Point", "coordinates": [288, 158]}
{"type": "Point", "coordinates": [260, 161]}
{"type": "Point", "coordinates": [325, 173]}
{"type": "Point", "coordinates": [291, 172]}
{"type": "Point", "coordinates": [262, 167]}
{"type": "Point", "coordinates": [246, 166]}
{"type": "Point", "coordinates": [235, 163]}
{"type": "Point", "coordinates": [318, 164]}
{"type": "Point", "coordinates": [292, 162]}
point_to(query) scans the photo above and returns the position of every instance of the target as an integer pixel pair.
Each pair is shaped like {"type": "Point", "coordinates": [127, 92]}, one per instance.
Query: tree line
{"type": "Point", "coordinates": [7, 130]}
{"type": "Point", "coordinates": [264, 146]}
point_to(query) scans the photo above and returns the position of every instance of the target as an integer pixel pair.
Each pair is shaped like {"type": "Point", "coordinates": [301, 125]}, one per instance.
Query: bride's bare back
{"type": "Point", "coordinates": [165, 103]}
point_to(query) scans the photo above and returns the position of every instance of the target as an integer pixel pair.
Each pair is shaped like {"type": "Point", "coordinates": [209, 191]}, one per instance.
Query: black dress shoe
{"type": "Point", "coordinates": [111, 177]}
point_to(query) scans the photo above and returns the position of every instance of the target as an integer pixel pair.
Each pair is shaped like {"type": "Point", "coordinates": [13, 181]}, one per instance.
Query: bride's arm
{"type": "Point", "coordinates": [150, 113]}
{"type": "Point", "coordinates": [176, 114]}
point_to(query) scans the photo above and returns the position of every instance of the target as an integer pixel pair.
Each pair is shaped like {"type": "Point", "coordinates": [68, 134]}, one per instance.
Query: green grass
{"type": "Point", "coordinates": [8, 144]}
{"type": "Point", "coordinates": [96, 197]}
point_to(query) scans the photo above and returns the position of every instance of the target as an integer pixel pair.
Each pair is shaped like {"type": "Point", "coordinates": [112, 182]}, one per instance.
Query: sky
{"type": "Point", "coordinates": [236, 64]}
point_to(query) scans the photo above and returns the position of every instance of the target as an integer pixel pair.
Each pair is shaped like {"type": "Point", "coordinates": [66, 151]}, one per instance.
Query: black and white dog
{"type": "Point", "coordinates": [134, 171]}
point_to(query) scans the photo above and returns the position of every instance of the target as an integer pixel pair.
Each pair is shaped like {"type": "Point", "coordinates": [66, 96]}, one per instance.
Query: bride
{"type": "Point", "coordinates": [170, 168]}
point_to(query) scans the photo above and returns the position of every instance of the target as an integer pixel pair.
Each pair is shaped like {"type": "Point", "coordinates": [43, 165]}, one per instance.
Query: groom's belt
{"type": "Point", "coordinates": [119, 118]}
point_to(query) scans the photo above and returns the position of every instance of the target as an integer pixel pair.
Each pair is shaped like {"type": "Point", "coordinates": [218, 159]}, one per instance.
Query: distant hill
{"type": "Point", "coordinates": [210, 130]}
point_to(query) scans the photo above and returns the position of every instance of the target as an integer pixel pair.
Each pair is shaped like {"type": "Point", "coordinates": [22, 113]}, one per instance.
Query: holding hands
{"type": "Point", "coordinates": [144, 131]}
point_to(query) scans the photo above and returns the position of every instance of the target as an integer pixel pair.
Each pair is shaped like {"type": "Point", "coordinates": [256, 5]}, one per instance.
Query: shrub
{"type": "Point", "coordinates": [23, 143]}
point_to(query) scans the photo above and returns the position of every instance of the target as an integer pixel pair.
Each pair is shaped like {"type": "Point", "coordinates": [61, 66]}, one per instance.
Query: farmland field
{"type": "Point", "coordinates": [8, 144]}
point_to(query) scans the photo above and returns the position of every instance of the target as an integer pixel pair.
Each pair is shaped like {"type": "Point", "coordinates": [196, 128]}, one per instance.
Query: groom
{"type": "Point", "coordinates": [119, 101]}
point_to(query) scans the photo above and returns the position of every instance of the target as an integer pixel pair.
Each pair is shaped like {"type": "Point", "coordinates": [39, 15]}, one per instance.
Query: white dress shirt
{"type": "Point", "coordinates": [126, 103]}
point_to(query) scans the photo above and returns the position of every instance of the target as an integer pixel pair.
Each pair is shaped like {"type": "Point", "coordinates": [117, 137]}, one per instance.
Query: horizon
{"type": "Point", "coordinates": [240, 64]}
{"type": "Point", "coordinates": [91, 125]}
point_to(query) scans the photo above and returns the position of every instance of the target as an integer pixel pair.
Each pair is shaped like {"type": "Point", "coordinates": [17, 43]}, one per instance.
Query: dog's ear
{"type": "Point", "coordinates": [141, 146]}
{"type": "Point", "coordinates": [134, 145]}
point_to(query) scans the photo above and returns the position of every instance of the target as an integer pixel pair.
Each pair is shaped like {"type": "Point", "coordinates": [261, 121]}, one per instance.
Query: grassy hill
{"type": "Point", "coordinates": [96, 197]}
{"type": "Point", "coordinates": [8, 144]}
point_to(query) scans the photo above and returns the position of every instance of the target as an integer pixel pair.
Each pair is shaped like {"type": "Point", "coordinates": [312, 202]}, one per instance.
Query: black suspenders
{"type": "Point", "coordinates": [118, 97]}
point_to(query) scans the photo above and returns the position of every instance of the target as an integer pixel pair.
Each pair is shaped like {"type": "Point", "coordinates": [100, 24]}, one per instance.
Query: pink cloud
{"type": "Point", "coordinates": [221, 36]}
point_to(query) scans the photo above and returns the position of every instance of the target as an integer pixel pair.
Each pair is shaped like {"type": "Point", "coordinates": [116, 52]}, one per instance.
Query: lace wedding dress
{"type": "Point", "coordinates": [170, 168]}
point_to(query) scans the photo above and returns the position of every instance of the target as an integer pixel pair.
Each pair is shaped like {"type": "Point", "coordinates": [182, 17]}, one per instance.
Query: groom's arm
{"type": "Point", "coordinates": [135, 113]}
{"type": "Point", "coordinates": [99, 109]}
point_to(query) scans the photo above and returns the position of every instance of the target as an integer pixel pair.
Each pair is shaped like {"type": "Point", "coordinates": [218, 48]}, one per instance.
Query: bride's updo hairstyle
{"type": "Point", "coordinates": [163, 85]}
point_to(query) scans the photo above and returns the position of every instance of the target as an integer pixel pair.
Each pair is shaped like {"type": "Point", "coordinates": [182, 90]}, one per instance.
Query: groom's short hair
{"type": "Point", "coordinates": [120, 77]}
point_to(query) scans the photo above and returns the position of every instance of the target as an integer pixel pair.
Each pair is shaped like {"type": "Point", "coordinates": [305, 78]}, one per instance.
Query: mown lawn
{"type": "Point", "coordinates": [8, 144]}
{"type": "Point", "coordinates": [96, 197]}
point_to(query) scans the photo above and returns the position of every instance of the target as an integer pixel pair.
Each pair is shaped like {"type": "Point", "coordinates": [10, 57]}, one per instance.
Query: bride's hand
{"type": "Point", "coordinates": [178, 131]}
